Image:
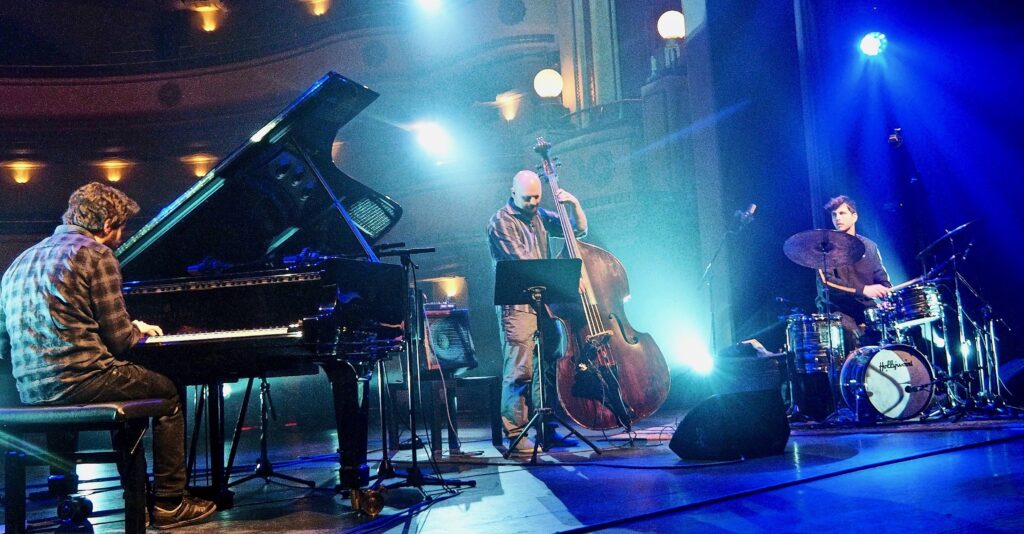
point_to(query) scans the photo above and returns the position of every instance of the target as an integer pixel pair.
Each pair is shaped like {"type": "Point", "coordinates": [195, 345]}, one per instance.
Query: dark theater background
{"type": "Point", "coordinates": [700, 152]}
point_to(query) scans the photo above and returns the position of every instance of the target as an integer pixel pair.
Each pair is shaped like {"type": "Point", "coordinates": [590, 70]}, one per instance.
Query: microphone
{"type": "Point", "coordinates": [896, 138]}
{"type": "Point", "coordinates": [747, 215]}
{"type": "Point", "coordinates": [406, 251]}
{"type": "Point", "coordinates": [388, 246]}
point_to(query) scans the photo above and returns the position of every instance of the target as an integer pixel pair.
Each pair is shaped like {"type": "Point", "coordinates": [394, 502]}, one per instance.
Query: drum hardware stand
{"type": "Point", "coordinates": [990, 342]}
{"type": "Point", "coordinates": [959, 408]}
{"type": "Point", "coordinates": [961, 316]}
{"type": "Point", "coordinates": [412, 477]}
{"type": "Point", "coordinates": [988, 397]}
{"type": "Point", "coordinates": [793, 412]}
{"type": "Point", "coordinates": [859, 393]}
{"type": "Point", "coordinates": [954, 261]}
{"type": "Point", "coordinates": [832, 381]}
{"type": "Point", "coordinates": [959, 404]}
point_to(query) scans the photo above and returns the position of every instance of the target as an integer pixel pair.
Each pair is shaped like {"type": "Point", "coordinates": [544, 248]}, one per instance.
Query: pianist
{"type": "Point", "coordinates": [63, 324]}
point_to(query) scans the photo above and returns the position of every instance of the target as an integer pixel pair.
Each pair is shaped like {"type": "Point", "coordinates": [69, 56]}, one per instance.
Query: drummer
{"type": "Point", "coordinates": [853, 287]}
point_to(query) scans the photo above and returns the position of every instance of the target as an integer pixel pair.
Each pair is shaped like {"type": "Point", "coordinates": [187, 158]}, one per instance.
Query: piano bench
{"type": "Point", "coordinates": [436, 415]}
{"type": "Point", "coordinates": [131, 417]}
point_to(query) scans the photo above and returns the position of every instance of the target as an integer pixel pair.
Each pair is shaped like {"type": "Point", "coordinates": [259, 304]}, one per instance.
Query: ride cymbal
{"type": "Point", "coordinates": [821, 249]}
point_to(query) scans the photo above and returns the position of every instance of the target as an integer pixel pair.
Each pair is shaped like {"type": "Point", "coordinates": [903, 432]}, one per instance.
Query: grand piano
{"type": "Point", "coordinates": [266, 267]}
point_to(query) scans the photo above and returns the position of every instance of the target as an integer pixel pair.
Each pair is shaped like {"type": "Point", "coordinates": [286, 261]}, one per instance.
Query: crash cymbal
{"type": "Point", "coordinates": [819, 249]}
{"type": "Point", "coordinates": [944, 237]}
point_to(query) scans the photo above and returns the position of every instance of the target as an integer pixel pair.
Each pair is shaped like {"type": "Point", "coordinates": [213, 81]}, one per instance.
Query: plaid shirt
{"type": "Point", "coordinates": [62, 315]}
{"type": "Point", "coordinates": [516, 235]}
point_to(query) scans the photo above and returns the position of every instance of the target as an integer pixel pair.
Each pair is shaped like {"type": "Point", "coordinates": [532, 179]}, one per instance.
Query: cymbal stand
{"type": "Point", "coordinates": [989, 342]}
{"type": "Point", "coordinates": [986, 345]}
{"type": "Point", "coordinates": [961, 318]}
{"type": "Point", "coordinates": [951, 392]}
{"type": "Point", "coordinates": [825, 246]}
{"type": "Point", "coordinates": [412, 477]}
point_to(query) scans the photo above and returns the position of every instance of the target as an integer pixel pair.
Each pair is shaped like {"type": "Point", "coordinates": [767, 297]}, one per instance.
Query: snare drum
{"type": "Point", "coordinates": [875, 381]}
{"type": "Point", "coordinates": [808, 339]}
{"type": "Point", "coordinates": [916, 304]}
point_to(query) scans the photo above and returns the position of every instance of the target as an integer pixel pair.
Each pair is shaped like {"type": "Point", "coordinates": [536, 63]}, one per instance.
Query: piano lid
{"type": "Point", "coordinates": [275, 195]}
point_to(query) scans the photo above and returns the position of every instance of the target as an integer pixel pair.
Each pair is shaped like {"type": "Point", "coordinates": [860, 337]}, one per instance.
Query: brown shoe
{"type": "Point", "coordinates": [525, 445]}
{"type": "Point", "coordinates": [192, 510]}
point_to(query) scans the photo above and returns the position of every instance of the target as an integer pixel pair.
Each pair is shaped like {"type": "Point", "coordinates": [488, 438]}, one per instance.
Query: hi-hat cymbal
{"type": "Point", "coordinates": [821, 249]}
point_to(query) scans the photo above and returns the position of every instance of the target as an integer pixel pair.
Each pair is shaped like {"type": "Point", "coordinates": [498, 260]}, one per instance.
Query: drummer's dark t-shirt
{"type": "Point", "coordinates": [865, 271]}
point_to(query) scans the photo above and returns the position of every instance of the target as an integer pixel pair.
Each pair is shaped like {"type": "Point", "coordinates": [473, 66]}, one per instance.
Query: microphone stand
{"type": "Point", "coordinates": [412, 476]}
{"type": "Point", "coordinates": [706, 277]}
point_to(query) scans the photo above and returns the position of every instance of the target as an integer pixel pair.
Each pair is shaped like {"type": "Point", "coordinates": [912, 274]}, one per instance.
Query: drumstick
{"type": "Point", "coordinates": [905, 284]}
{"type": "Point", "coordinates": [901, 286]}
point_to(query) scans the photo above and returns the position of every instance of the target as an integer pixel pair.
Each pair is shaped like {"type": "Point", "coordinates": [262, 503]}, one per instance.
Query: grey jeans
{"type": "Point", "coordinates": [127, 382]}
{"type": "Point", "coordinates": [520, 387]}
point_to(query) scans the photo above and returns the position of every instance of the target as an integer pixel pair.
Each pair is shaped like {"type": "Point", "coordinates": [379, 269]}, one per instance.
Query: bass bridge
{"type": "Point", "coordinates": [599, 339]}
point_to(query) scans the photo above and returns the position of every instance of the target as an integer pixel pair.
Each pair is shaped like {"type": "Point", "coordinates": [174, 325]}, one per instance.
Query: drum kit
{"type": "Point", "coordinates": [892, 378]}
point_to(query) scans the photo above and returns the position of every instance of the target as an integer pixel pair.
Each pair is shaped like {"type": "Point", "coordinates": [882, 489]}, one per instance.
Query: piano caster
{"type": "Point", "coordinates": [352, 479]}
{"type": "Point", "coordinates": [368, 501]}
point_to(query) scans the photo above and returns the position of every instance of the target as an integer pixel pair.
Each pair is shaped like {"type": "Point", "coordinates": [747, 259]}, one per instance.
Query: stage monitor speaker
{"type": "Point", "coordinates": [729, 426]}
{"type": "Point", "coordinates": [448, 343]}
{"type": "Point", "coordinates": [1011, 375]}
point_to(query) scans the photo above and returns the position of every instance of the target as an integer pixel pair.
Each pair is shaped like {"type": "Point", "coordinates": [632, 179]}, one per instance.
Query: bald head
{"type": "Point", "coordinates": [526, 191]}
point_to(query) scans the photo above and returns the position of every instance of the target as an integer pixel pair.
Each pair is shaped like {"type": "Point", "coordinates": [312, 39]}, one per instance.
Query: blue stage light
{"type": "Point", "coordinates": [873, 44]}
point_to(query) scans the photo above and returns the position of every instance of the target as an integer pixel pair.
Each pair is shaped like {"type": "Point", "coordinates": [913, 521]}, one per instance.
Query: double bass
{"type": "Point", "coordinates": [609, 375]}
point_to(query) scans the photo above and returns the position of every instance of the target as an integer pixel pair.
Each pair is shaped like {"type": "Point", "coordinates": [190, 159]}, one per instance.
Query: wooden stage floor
{"type": "Point", "coordinates": [966, 476]}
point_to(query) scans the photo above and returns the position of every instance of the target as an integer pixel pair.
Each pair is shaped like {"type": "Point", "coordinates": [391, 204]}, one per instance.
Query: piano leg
{"type": "Point", "coordinates": [350, 388]}
{"type": "Point", "coordinates": [219, 478]}
{"type": "Point", "coordinates": [217, 491]}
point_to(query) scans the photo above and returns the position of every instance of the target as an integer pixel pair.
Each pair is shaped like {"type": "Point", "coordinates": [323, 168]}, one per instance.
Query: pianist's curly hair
{"type": "Point", "coordinates": [94, 204]}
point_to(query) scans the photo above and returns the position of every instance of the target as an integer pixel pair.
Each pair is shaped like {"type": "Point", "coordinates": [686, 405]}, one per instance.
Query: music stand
{"type": "Point", "coordinates": [539, 282]}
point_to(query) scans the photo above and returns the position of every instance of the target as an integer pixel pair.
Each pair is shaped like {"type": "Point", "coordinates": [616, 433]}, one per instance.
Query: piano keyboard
{"type": "Point", "coordinates": [248, 334]}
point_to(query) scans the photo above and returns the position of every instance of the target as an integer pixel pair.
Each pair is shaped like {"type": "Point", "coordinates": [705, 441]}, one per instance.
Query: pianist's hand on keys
{"type": "Point", "coordinates": [148, 329]}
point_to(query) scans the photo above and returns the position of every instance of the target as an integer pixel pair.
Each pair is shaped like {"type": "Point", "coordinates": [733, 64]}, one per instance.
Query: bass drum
{"type": "Point", "coordinates": [875, 382]}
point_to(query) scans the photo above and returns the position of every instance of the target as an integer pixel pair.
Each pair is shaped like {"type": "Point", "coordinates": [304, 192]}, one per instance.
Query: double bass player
{"type": "Point", "coordinates": [520, 231]}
